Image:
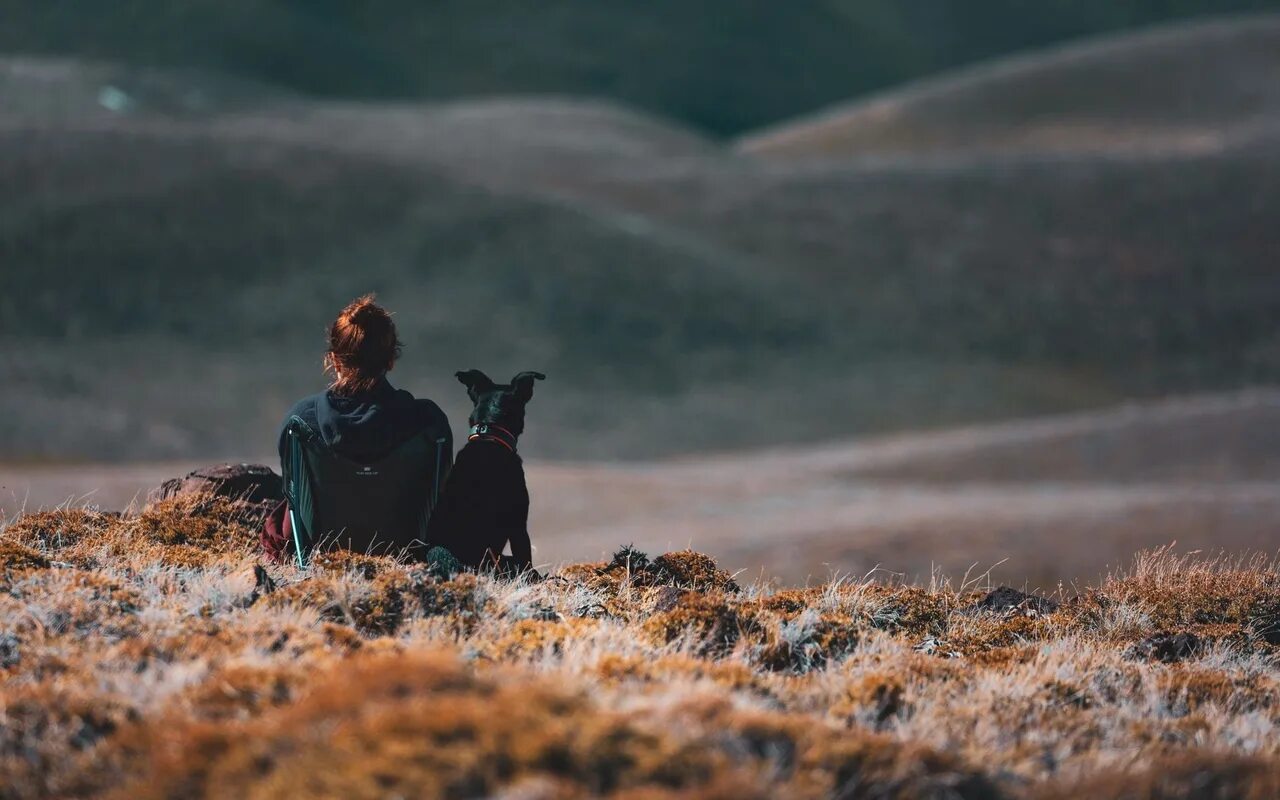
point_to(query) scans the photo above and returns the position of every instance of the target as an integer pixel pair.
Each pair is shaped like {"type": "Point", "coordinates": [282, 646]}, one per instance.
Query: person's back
{"type": "Point", "coordinates": [363, 462]}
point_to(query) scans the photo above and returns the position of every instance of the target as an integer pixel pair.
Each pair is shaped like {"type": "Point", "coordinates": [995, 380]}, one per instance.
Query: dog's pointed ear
{"type": "Point", "coordinates": [523, 384]}
{"type": "Point", "coordinates": [475, 381]}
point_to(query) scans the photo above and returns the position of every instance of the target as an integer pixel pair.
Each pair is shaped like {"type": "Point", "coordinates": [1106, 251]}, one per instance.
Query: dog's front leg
{"type": "Point", "coordinates": [521, 547]}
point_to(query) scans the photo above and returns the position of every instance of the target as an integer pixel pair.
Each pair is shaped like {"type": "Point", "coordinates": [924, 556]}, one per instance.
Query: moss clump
{"type": "Point", "coordinates": [1188, 688]}
{"type": "Point", "coordinates": [809, 644]}
{"type": "Point", "coordinates": [43, 727]}
{"type": "Point", "coordinates": [378, 607]}
{"type": "Point", "coordinates": [790, 602]}
{"type": "Point", "coordinates": [458, 598]}
{"type": "Point", "coordinates": [382, 610]}
{"type": "Point", "coordinates": [16, 557]}
{"type": "Point", "coordinates": [684, 569]}
{"type": "Point", "coordinates": [1178, 777]}
{"type": "Point", "coordinates": [213, 524]}
{"type": "Point", "coordinates": [1177, 592]}
{"type": "Point", "coordinates": [973, 636]}
{"type": "Point", "coordinates": [241, 691]}
{"type": "Point", "coordinates": [189, 531]}
{"type": "Point", "coordinates": [710, 622]}
{"type": "Point", "coordinates": [871, 765]}
{"type": "Point", "coordinates": [910, 610]}
{"type": "Point", "coordinates": [732, 675]}
{"type": "Point", "coordinates": [59, 528]}
{"type": "Point", "coordinates": [419, 725]}
{"type": "Point", "coordinates": [529, 638]}
{"type": "Point", "coordinates": [347, 562]}
{"type": "Point", "coordinates": [318, 593]}
{"type": "Point", "coordinates": [691, 570]}
{"type": "Point", "coordinates": [872, 697]}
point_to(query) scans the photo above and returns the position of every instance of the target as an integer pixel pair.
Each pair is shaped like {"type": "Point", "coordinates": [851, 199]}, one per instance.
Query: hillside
{"type": "Point", "coordinates": [724, 66]}
{"type": "Point", "coordinates": [169, 269]}
{"type": "Point", "coordinates": [150, 656]}
{"type": "Point", "coordinates": [1192, 440]}
{"type": "Point", "coordinates": [61, 90]}
{"type": "Point", "coordinates": [1190, 88]}
{"type": "Point", "coordinates": [166, 254]}
{"type": "Point", "coordinates": [1018, 497]}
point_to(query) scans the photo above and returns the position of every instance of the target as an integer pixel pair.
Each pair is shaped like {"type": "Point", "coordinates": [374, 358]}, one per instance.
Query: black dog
{"type": "Point", "coordinates": [486, 501]}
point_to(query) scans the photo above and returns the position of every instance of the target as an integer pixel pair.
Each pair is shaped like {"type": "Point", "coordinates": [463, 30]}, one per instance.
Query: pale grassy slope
{"type": "Point", "coordinates": [1187, 88]}
{"type": "Point", "coordinates": [1059, 498]}
{"type": "Point", "coordinates": [1054, 499]}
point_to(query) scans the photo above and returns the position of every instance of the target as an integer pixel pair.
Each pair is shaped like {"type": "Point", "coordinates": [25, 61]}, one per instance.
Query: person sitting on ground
{"type": "Point", "coordinates": [363, 462]}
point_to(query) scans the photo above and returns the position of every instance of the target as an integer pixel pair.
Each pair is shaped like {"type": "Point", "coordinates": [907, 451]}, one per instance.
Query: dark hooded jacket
{"type": "Point", "coordinates": [367, 426]}
{"type": "Point", "coordinates": [362, 428]}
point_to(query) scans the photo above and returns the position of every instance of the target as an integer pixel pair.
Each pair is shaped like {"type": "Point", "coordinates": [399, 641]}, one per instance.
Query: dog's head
{"type": "Point", "coordinates": [499, 404]}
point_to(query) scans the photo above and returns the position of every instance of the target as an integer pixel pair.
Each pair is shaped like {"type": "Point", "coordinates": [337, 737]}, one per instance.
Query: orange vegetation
{"type": "Point", "coordinates": [152, 656]}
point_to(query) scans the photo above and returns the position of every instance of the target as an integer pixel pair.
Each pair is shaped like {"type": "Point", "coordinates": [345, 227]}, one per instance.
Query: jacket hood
{"type": "Point", "coordinates": [367, 425]}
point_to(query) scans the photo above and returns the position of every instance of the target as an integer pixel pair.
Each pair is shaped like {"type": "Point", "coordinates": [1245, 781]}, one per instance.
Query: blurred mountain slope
{"type": "Point", "coordinates": [724, 66]}
{"type": "Point", "coordinates": [169, 265]}
{"type": "Point", "coordinates": [1192, 87]}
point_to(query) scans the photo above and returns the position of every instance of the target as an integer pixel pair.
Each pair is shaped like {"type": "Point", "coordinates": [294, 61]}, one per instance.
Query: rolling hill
{"type": "Point", "coordinates": [145, 265]}
{"type": "Point", "coordinates": [724, 66]}
{"type": "Point", "coordinates": [1046, 500]}
{"type": "Point", "coordinates": [1191, 88]}
{"type": "Point", "coordinates": [170, 267]}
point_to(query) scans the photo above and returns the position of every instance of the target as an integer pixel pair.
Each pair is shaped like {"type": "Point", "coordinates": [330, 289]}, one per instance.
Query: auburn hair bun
{"type": "Point", "coordinates": [363, 346]}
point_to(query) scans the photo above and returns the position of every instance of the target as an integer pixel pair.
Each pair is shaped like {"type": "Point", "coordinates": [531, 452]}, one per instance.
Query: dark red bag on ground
{"type": "Point", "coordinates": [277, 533]}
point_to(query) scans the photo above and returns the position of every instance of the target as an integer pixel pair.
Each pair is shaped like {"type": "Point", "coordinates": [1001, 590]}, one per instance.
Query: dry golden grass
{"type": "Point", "coordinates": [143, 657]}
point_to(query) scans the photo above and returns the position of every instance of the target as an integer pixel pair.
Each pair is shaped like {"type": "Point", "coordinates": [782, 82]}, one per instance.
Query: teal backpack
{"type": "Point", "coordinates": [379, 507]}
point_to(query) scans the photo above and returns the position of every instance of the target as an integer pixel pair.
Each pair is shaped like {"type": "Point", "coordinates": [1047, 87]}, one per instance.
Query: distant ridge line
{"type": "Point", "coordinates": [779, 135]}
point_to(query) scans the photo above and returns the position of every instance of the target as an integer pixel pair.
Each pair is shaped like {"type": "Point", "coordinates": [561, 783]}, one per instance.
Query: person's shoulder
{"type": "Point", "coordinates": [424, 411]}
{"type": "Point", "coordinates": [430, 413]}
{"type": "Point", "coordinates": [304, 409]}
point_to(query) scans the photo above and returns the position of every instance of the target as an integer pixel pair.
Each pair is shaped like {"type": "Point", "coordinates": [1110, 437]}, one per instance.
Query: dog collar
{"type": "Point", "coordinates": [493, 433]}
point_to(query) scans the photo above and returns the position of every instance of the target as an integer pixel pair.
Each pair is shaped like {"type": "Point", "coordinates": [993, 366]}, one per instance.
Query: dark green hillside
{"type": "Point", "coordinates": [1150, 273]}
{"type": "Point", "coordinates": [178, 281]}
{"type": "Point", "coordinates": [169, 264]}
{"type": "Point", "coordinates": [165, 290]}
{"type": "Point", "coordinates": [722, 65]}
